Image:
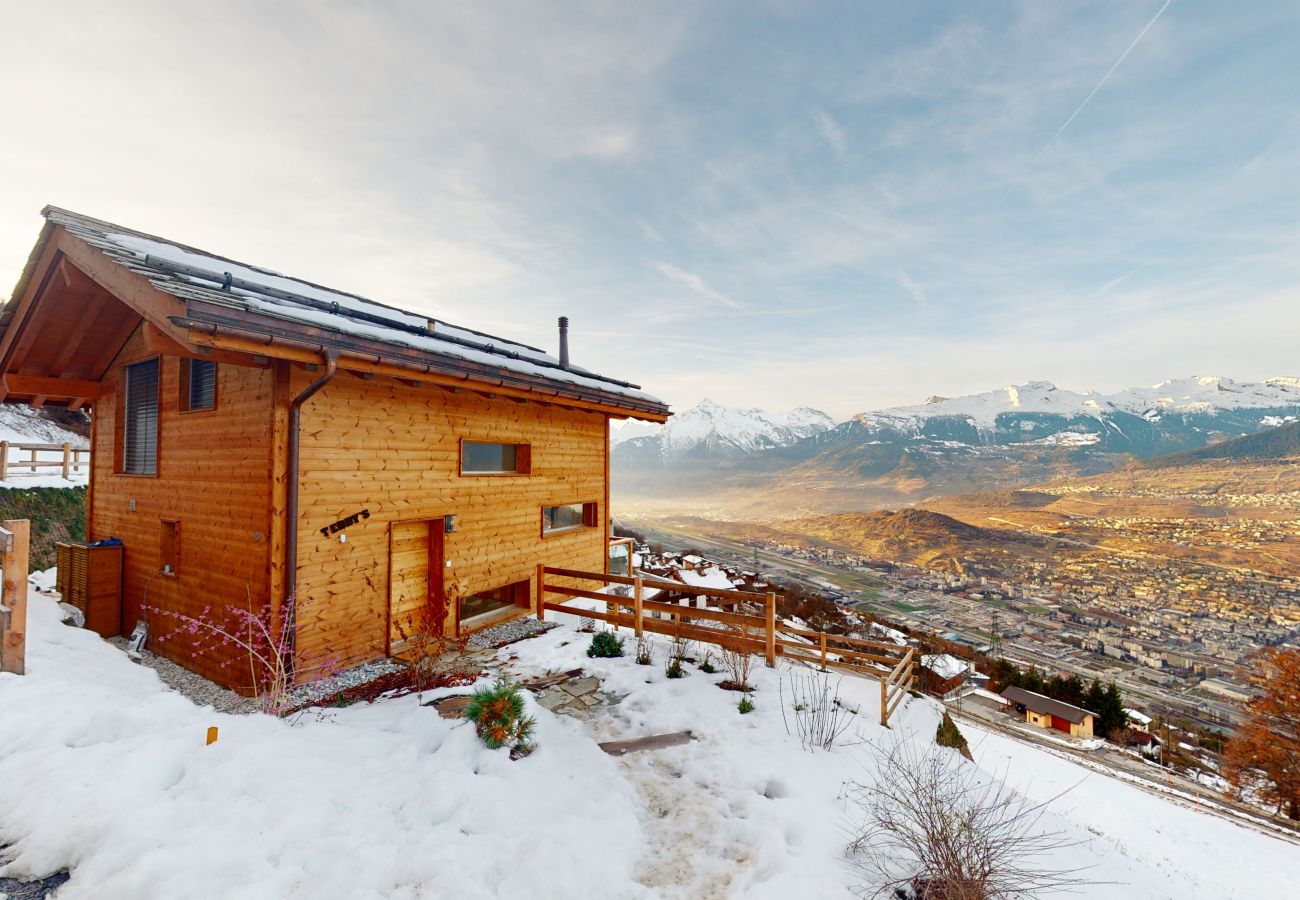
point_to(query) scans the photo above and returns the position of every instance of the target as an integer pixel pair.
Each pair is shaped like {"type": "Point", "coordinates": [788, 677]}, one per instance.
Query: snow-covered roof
{"type": "Point", "coordinates": [712, 577]}
{"type": "Point", "coordinates": [945, 665]}
{"type": "Point", "coordinates": [222, 292]}
{"type": "Point", "coordinates": [1135, 716]}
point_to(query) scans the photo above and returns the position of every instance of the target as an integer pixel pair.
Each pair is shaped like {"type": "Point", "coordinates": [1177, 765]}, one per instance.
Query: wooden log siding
{"type": "Point", "coordinates": [393, 449]}
{"type": "Point", "coordinates": [213, 478]}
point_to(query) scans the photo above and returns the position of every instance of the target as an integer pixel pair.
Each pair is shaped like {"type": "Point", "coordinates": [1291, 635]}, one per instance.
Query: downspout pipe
{"type": "Point", "coordinates": [290, 640]}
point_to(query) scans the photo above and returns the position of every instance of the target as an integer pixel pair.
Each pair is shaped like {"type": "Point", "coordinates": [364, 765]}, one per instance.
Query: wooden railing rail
{"type": "Point", "coordinates": [70, 458]}
{"type": "Point", "coordinates": [890, 664]}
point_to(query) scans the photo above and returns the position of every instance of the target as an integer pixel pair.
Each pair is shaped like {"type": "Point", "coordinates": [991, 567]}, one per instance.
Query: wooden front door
{"type": "Point", "coordinates": [416, 603]}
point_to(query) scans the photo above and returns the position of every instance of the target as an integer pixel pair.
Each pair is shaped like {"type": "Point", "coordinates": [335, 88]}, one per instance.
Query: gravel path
{"type": "Point", "coordinates": [508, 633]}
{"type": "Point", "coordinates": [195, 687]}
{"type": "Point", "coordinates": [206, 693]}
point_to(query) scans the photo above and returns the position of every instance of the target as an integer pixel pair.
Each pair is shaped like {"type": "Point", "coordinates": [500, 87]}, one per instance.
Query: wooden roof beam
{"type": "Point", "coordinates": [40, 386]}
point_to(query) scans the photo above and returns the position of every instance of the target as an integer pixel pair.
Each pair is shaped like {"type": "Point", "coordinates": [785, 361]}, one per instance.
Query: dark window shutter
{"type": "Point", "coordinates": [140, 419]}
{"type": "Point", "coordinates": [203, 384]}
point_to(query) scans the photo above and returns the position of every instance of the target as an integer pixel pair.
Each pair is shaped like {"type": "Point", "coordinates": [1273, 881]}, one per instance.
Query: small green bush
{"type": "Point", "coordinates": [605, 644]}
{"type": "Point", "coordinates": [675, 669]}
{"type": "Point", "coordinates": [498, 715]}
{"type": "Point", "coordinates": [706, 664]}
{"type": "Point", "coordinates": [745, 706]}
{"type": "Point", "coordinates": [644, 655]}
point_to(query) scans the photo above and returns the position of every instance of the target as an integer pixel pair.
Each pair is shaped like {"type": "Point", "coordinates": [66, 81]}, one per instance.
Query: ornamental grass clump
{"type": "Point", "coordinates": [498, 715]}
{"type": "Point", "coordinates": [605, 644]}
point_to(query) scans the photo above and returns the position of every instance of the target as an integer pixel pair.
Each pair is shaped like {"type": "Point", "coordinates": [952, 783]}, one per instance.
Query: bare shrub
{"type": "Point", "coordinates": [933, 829]}
{"type": "Point", "coordinates": [251, 635]}
{"type": "Point", "coordinates": [819, 717]}
{"type": "Point", "coordinates": [429, 653]}
{"type": "Point", "coordinates": [737, 649]}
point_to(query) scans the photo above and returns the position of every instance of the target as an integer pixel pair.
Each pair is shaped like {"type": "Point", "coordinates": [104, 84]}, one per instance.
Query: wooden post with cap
{"type": "Point", "coordinates": [14, 541]}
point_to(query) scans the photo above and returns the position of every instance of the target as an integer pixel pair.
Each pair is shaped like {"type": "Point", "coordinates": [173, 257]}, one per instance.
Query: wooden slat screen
{"type": "Point", "coordinates": [203, 384]}
{"type": "Point", "coordinates": [140, 419]}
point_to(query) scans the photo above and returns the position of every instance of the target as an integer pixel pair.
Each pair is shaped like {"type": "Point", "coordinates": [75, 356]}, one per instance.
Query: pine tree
{"type": "Point", "coordinates": [1111, 718]}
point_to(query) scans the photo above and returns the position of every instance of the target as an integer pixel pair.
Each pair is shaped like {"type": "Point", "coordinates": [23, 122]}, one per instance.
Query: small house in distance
{"type": "Point", "coordinates": [1044, 712]}
{"type": "Point", "coordinates": [260, 442]}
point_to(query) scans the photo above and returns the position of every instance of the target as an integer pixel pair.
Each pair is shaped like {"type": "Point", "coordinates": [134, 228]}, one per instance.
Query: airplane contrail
{"type": "Point", "coordinates": [1118, 62]}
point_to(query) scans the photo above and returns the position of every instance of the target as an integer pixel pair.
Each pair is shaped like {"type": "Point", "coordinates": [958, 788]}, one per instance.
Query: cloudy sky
{"type": "Point", "coordinates": [844, 205]}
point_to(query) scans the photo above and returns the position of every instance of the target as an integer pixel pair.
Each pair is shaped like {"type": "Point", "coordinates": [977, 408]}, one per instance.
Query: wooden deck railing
{"type": "Point", "coordinates": [69, 459]}
{"type": "Point", "coordinates": [890, 664]}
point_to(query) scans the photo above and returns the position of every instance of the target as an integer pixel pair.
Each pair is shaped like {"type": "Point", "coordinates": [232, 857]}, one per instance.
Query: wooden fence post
{"type": "Point", "coordinates": [637, 599]}
{"type": "Point", "coordinates": [771, 629]}
{"type": "Point", "coordinates": [13, 596]}
{"type": "Point", "coordinates": [541, 592]}
{"type": "Point", "coordinates": [4, 460]}
{"type": "Point", "coordinates": [884, 702]}
{"type": "Point", "coordinates": [67, 461]}
{"type": "Point", "coordinates": [823, 651]}
{"type": "Point", "coordinates": [32, 453]}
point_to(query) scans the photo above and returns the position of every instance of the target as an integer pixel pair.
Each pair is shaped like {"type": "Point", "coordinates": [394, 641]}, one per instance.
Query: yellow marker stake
{"type": "Point", "coordinates": [212, 734]}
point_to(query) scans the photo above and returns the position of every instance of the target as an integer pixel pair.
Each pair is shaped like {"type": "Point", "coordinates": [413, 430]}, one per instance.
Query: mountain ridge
{"type": "Point", "coordinates": [1001, 439]}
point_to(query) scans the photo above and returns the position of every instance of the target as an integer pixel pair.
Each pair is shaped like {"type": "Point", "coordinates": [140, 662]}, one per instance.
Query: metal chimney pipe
{"type": "Point", "coordinates": [564, 342]}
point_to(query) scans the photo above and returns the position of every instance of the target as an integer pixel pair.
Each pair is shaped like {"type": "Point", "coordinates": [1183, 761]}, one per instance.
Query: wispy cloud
{"type": "Point", "coordinates": [906, 283]}
{"type": "Point", "coordinates": [830, 132]}
{"type": "Point", "coordinates": [696, 284]}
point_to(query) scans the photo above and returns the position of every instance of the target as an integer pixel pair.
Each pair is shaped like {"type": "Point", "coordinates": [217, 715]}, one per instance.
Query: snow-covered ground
{"type": "Point", "coordinates": [104, 771]}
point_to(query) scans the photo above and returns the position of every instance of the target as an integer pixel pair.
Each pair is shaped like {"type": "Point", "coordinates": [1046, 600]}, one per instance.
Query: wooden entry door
{"type": "Point", "coordinates": [416, 602]}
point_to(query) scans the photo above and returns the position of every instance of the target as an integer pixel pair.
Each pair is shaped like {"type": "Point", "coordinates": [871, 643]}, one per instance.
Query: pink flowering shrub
{"type": "Point", "coordinates": [249, 637]}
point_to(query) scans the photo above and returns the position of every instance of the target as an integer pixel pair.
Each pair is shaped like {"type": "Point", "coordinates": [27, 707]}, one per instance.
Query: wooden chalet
{"type": "Point", "coordinates": [262, 442]}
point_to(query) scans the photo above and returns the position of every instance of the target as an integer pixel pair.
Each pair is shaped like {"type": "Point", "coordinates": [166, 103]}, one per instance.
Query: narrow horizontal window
{"type": "Point", "coordinates": [140, 419]}
{"type": "Point", "coordinates": [568, 517]}
{"type": "Point", "coordinates": [483, 458]}
{"type": "Point", "coordinates": [198, 384]}
{"type": "Point", "coordinates": [484, 603]}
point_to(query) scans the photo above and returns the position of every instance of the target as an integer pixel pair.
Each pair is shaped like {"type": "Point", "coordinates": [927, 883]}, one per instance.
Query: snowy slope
{"type": "Point", "coordinates": [720, 431]}
{"type": "Point", "coordinates": [24, 425]}
{"type": "Point", "coordinates": [104, 771]}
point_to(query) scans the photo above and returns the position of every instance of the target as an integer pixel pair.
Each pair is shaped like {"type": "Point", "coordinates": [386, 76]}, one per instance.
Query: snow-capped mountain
{"type": "Point", "coordinates": [1199, 395]}
{"type": "Point", "coordinates": [1016, 435]}
{"type": "Point", "coordinates": [711, 430]}
{"type": "Point", "coordinates": [1147, 420]}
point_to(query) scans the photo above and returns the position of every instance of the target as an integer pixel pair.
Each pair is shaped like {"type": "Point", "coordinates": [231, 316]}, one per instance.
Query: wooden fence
{"type": "Point", "coordinates": [14, 539]}
{"type": "Point", "coordinates": [69, 458]}
{"type": "Point", "coordinates": [890, 664]}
